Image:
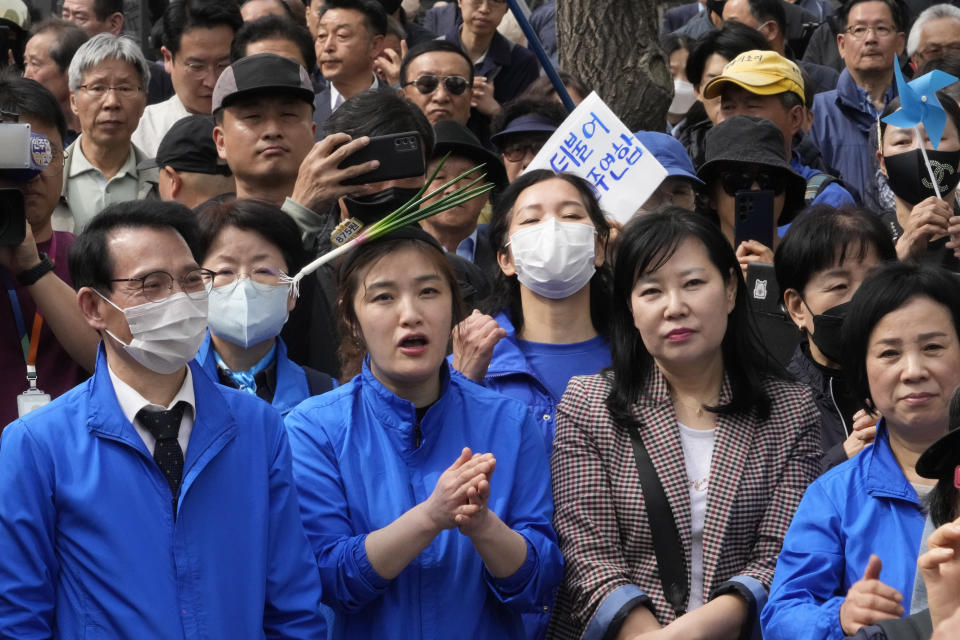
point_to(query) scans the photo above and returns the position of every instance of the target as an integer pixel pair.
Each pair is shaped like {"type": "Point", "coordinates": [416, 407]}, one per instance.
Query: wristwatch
{"type": "Point", "coordinates": [31, 275]}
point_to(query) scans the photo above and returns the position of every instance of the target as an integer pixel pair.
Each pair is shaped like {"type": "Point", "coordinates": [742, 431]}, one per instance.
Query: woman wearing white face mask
{"type": "Point", "coordinates": [552, 294]}
{"type": "Point", "coordinates": [248, 245]}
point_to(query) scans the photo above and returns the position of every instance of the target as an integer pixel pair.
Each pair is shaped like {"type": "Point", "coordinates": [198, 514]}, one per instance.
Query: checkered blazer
{"type": "Point", "coordinates": [759, 472]}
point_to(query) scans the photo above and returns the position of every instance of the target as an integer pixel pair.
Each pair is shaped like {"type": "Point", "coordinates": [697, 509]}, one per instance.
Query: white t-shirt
{"type": "Point", "coordinates": [697, 452]}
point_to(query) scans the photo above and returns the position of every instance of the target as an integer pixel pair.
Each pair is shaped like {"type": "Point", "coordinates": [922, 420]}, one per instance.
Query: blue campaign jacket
{"type": "Point", "coordinates": [841, 130]}
{"type": "Point", "coordinates": [90, 545]}
{"type": "Point", "coordinates": [358, 469]}
{"type": "Point", "coordinates": [509, 373]}
{"type": "Point", "coordinates": [860, 507]}
{"type": "Point", "coordinates": [292, 388]}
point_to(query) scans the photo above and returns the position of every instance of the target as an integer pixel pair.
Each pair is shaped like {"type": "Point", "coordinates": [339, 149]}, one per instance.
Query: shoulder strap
{"type": "Point", "coordinates": [671, 561]}
{"type": "Point", "coordinates": [815, 186]}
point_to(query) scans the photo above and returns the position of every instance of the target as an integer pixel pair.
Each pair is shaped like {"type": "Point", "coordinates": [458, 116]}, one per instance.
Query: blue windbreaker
{"type": "Point", "coordinates": [358, 469]}
{"type": "Point", "coordinates": [90, 545]}
{"type": "Point", "coordinates": [861, 507]}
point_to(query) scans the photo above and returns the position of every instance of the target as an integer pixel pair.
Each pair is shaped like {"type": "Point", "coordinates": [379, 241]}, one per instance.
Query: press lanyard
{"type": "Point", "coordinates": [31, 344]}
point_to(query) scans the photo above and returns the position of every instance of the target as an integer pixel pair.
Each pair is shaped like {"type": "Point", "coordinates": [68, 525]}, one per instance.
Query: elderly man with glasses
{"type": "Point", "coordinates": [108, 79]}
{"type": "Point", "coordinates": [437, 76]}
{"type": "Point", "coordinates": [872, 35]}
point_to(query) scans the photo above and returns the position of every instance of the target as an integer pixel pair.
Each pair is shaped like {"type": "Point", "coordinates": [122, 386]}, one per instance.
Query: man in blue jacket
{"type": "Point", "coordinates": [150, 502]}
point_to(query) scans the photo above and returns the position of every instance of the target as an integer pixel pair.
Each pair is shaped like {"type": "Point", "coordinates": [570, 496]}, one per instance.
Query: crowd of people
{"type": "Point", "coordinates": [735, 415]}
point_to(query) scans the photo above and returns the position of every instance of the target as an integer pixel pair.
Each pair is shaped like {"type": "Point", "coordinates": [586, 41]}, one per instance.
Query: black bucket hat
{"type": "Point", "coordinates": [752, 141]}
{"type": "Point", "coordinates": [459, 141]}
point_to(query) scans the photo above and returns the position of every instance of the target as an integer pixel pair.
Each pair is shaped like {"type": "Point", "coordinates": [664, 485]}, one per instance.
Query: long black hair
{"type": "Point", "coordinates": [646, 244]}
{"type": "Point", "coordinates": [506, 290]}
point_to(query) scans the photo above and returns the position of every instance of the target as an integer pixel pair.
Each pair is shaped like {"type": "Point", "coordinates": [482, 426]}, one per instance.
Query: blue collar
{"type": "Point", "coordinates": [883, 475]}
{"type": "Point", "coordinates": [245, 380]}
{"type": "Point", "coordinates": [390, 409]}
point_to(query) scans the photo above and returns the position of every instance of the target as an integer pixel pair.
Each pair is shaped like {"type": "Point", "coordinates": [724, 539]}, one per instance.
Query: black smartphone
{"type": "Point", "coordinates": [400, 155]}
{"type": "Point", "coordinates": [753, 211]}
{"type": "Point", "coordinates": [4, 45]}
{"type": "Point", "coordinates": [13, 218]}
{"type": "Point", "coordinates": [763, 290]}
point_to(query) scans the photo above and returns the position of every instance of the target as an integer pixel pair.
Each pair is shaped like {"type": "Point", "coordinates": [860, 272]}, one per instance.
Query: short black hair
{"type": "Point", "coordinates": [377, 113]}
{"type": "Point", "coordinates": [547, 108]}
{"type": "Point", "coordinates": [68, 37]}
{"type": "Point", "coordinates": [25, 96]}
{"type": "Point", "coordinates": [274, 27]}
{"type": "Point", "coordinates": [763, 10]}
{"type": "Point", "coordinates": [645, 245]}
{"type": "Point", "coordinates": [729, 41]}
{"type": "Point", "coordinates": [91, 264]}
{"type": "Point", "coordinates": [429, 47]}
{"type": "Point", "coordinates": [674, 42]}
{"type": "Point", "coordinates": [257, 216]}
{"type": "Point", "coordinates": [948, 62]}
{"type": "Point", "coordinates": [543, 87]}
{"type": "Point", "coordinates": [184, 15]}
{"type": "Point", "coordinates": [374, 15]}
{"type": "Point", "coordinates": [823, 237]}
{"type": "Point", "coordinates": [897, 11]}
{"type": "Point", "coordinates": [103, 9]}
{"type": "Point", "coordinates": [884, 291]}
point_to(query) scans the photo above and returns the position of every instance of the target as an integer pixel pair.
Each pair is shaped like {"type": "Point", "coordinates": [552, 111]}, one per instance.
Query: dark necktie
{"type": "Point", "coordinates": [165, 426]}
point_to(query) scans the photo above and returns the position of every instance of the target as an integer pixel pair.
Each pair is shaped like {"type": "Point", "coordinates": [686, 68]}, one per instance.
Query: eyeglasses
{"type": "Point", "coordinates": [517, 151]}
{"type": "Point", "coordinates": [99, 91]}
{"type": "Point", "coordinates": [428, 83]}
{"type": "Point", "coordinates": [734, 181]}
{"type": "Point", "coordinates": [158, 286]}
{"type": "Point", "coordinates": [262, 278]}
{"type": "Point", "coordinates": [938, 50]}
{"type": "Point", "coordinates": [859, 31]}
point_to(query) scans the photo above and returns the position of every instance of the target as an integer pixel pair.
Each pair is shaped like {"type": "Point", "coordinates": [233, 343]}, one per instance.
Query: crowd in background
{"type": "Point", "coordinates": [516, 418]}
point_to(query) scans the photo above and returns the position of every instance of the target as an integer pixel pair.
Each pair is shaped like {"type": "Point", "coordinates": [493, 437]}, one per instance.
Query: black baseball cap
{"type": "Point", "coordinates": [188, 146]}
{"type": "Point", "coordinates": [459, 141]}
{"type": "Point", "coordinates": [261, 73]}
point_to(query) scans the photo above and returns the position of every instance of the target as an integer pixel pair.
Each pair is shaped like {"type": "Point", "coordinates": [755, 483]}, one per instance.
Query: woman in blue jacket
{"type": "Point", "coordinates": [849, 557]}
{"type": "Point", "coordinates": [249, 245]}
{"type": "Point", "coordinates": [413, 531]}
{"type": "Point", "coordinates": [552, 295]}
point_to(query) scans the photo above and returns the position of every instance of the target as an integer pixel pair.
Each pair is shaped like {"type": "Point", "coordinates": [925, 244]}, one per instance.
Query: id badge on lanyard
{"type": "Point", "coordinates": [34, 397]}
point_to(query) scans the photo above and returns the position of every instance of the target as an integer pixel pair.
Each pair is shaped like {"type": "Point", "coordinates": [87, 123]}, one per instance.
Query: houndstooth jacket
{"type": "Point", "coordinates": [759, 471]}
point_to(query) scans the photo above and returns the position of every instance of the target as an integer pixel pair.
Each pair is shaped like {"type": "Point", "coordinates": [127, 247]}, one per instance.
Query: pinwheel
{"type": "Point", "coordinates": [919, 105]}
{"type": "Point", "coordinates": [409, 213]}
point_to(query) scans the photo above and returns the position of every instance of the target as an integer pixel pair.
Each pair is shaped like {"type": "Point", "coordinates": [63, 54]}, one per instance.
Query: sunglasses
{"type": "Point", "coordinates": [734, 181]}
{"type": "Point", "coordinates": [428, 83]}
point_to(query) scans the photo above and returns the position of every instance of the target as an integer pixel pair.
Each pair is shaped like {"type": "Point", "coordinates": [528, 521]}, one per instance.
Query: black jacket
{"type": "Point", "coordinates": [833, 427]}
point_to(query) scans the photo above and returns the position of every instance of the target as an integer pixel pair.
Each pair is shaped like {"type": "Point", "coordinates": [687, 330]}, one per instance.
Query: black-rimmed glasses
{"type": "Point", "coordinates": [158, 285]}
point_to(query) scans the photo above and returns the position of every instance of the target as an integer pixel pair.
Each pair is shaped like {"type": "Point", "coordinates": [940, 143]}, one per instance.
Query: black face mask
{"type": "Point", "coordinates": [826, 331]}
{"type": "Point", "coordinates": [370, 208]}
{"type": "Point", "coordinates": [910, 180]}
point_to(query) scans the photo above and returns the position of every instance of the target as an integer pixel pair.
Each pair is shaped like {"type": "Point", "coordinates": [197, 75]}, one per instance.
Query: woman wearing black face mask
{"type": "Point", "coordinates": [820, 263]}
{"type": "Point", "coordinates": [925, 226]}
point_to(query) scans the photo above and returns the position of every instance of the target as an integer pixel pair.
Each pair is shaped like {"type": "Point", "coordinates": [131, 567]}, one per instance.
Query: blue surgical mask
{"type": "Point", "coordinates": [247, 314]}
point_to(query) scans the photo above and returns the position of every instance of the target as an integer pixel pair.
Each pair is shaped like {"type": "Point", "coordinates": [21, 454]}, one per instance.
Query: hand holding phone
{"type": "Point", "coordinates": [400, 155]}
{"type": "Point", "coordinates": [754, 220]}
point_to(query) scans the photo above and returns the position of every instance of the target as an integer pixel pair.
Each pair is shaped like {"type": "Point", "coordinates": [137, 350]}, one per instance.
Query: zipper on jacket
{"type": "Point", "coordinates": [837, 407]}
{"type": "Point", "coordinates": [417, 435]}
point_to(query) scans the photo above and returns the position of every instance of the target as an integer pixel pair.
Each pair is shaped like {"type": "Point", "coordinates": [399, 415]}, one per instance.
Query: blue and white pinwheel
{"type": "Point", "coordinates": [919, 105]}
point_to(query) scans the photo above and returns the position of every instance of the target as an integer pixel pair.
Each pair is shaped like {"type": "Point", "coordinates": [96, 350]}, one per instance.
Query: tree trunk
{"type": "Point", "coordinates": [613, 46]}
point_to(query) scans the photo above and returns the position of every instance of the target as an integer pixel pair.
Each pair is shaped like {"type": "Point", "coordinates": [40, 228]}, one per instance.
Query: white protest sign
{"type": "Point", "coordinates": [594, 144]}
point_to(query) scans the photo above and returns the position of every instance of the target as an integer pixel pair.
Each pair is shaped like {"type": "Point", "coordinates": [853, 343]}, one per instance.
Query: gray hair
{"type": "Point", "coordinates": [935, 12]}
{"type": "Point", "coordinates": [106, 46]}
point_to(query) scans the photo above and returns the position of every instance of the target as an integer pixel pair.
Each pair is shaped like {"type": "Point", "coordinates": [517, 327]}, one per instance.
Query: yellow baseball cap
{"type": "Point", "coordinates": [764, 73]}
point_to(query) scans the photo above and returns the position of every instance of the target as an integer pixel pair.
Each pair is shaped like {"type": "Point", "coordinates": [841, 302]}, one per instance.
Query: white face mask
{"type": "Point", "coordinates": [166, 334]}
{"type": "Point", "coordinates": [248, 315]}
{"type": "Point", "coordinates": [683, 97]}
{"type": "Point", "coordinates": [554, 259]}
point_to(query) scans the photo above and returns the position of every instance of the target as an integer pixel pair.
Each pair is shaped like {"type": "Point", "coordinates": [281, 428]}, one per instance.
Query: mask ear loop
{"type": "Point", "coordinates": [926, 161]}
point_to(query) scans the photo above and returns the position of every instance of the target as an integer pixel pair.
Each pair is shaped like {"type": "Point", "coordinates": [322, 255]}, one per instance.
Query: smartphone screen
{"type": "Point", "coordinates": [754, 217]}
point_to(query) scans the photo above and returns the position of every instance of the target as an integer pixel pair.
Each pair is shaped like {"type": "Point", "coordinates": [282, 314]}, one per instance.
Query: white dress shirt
{"type": "Point", "coordinates": [336, 99]}
{"type": "Point", "coordinates": [155, 122]}
{"type": "Point", "coordinates": [132, 402]}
